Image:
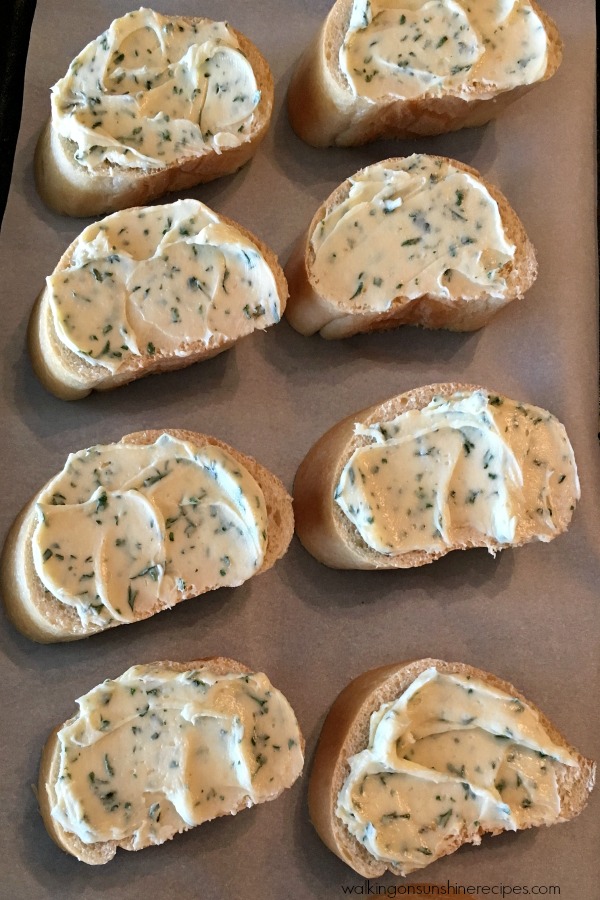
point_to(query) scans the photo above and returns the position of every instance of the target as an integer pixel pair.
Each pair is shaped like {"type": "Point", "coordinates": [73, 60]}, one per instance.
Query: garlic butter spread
{"type": "Point", "coordinates": [450, 756]}
{"type": "Point", "coordinates": [153, 90]}
{"type": "Point", "coordinates": [407, 228]}
{"type": "Point", "coordinates": [160, 279]}
{"type": "Point", "coordinates": [125, 530]}
{"type": "Point", "coordinates": [410, 48]}
{"type": "Point", "coordinates": [155, 752]}
{"type": "Point", "coordinates": [465, 465]}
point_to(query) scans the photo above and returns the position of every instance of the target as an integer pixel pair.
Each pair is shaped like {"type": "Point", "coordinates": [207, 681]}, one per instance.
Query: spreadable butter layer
{"type": "Point", "coordinates": [160, 280]}
{"type": "Point", "coordinates": [410, 68]}
{"type": "Point", "coordinates": [160, 750]}
{"type": "Point", "coordinates": [410, 227]}
{"type": "Point", "coordinates": [410, 48]}
{"type": "Point", "coordinates": [127, 529]}
{"type": "Point", "coordinates": [467, 465]}
{"type": "Point", "coordinates": [448, 759]}
{"type": "Point", "coordinates": [153, 90]}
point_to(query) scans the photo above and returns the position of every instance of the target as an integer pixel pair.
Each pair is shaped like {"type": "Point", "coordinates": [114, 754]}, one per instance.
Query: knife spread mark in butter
{"type": "Point", "coordinates": [125, 529]}
{"type": "Point", "coordinates": [467, 465]}
{"type": "Point", "coordinates": [412, 48]}
{"type": "Point", "coordinates": [451, 756]}
{"type": "Point", "coordinates": [417, 226]}
{"type": "Point", "coordinates": [160, 280]}
{"type": "Point", "coordinates": [156, 751]}
{"type": "Point", "coordinates": [153, 90]}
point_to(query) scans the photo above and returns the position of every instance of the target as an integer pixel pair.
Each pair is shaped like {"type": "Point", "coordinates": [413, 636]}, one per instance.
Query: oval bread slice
{"type": "Point", "coordinates": [69, 188]}
{"type": "Point", "coordinates": [324, 111]}
{"type": "Point", "coordinates": [102, 852]}
{"type": "Point", "coordinates": [346, 732]}
{"type": "Point", "coordinates": [35, 612]}
{"type": "Point", "coordinates": [329, 535]}
{"type": "Point", "coordinates": [312, 307]}
{"type": "Point", "coordinates": [70, 376]}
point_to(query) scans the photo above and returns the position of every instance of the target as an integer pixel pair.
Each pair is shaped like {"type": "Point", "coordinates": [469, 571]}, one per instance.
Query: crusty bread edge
{"type": "Point", "coordinates": [323, 529]}
{"type": "Point", "coordinates": [100, 853]}
{"type": "Point", "coordinates": [42, 618]}
{"type": "Point", "coordinates": [67, 376]}
{"type": "Point", "coordinates": [68, 188]}
{"type": "Point", "coordinates": [323, 111]}
{"type": "Point", "coordinates": [346, 732]}
{"type": "Point", "coordinates": [317, 110]}
{"type": "Point", "coordinates": [309, 311]}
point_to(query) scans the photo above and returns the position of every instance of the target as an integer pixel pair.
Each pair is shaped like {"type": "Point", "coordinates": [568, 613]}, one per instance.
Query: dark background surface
{"type": "Point", "coordinates": [14, 40]}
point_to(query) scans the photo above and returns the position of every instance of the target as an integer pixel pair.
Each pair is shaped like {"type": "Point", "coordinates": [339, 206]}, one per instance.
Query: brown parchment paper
{"type": "Point", "coordinates": [531, 615]}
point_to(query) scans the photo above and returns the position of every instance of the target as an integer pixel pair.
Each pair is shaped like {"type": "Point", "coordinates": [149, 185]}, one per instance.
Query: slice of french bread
{"type": "Point", "coordinates": [316, 305]}
{"type": "Point", "coordinates": [331, 537]}
{"type": "Point", "coordinates": [42, 617]}
{"type": "Point", "coordinates": [69, 188]}
{"type": "Point", "coordinates": [325, 111]}
{"type": "Point", "coordinates": [70, 376]}
{"type": "Point", "coordinates": [99, 853]}
{"type": "Point", "coordinates": [346, 733]}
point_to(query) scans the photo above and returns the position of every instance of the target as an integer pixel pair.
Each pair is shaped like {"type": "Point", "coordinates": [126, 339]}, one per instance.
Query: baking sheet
{"type": "Point", "coordinates": [530, 616]}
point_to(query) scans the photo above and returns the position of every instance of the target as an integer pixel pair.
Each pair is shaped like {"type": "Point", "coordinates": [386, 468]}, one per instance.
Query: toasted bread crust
{"type": "Point", "coordinates": [69, 377]}
{"type": "Point", "coordinates": [346, 732]}
{"type": "Point", "coordinates": [68, 188]}
{"type": "Point", "coordinates": [324, 112]}
{"type": "Point", "coordinates": [322, 527]}
{"type": "Point", "coordinates": [40, 616]}
{"type": "Point", "coordinates": [100, 853]}
{"type": "Point", "coordinates": [309, 311]}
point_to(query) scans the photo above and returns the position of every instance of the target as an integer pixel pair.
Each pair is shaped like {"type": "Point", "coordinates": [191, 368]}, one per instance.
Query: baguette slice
{"type": "Point", "coordinates": [102, 852]}
{"type": "Point", "coordinates": [331, 537]}
{"type": "Point", "coordinates": [70, 376]}
{"type": "Point", "coordinates": [315, 306]}
{"type": "Point", "coordinates": [35, 612]}
{"type": "Point", "coordinates": [346, 732]}
{"type": "Point", "coordinates": [69, 188]}
{"type": "Point", "coordinates": [325, 111]}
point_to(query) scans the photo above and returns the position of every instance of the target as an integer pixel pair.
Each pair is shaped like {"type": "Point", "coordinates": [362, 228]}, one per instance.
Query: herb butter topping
{"type": "Point", "coordinates": [411, 48]}
{"type": "Point", "coordinates": [160, 280]}
{"type": "Point", "coordinates": [157, 751]}
{"type": "Point", "coordinates": [152, 90]}
{"type": "Point", "coordinates": [125, 529]}
{"type": "Point", "coordinates": [411, 227]}
{"type": "Point", "coordinates": [450, 757]}
{"type": "Point", "coordinates": [467, 465]}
